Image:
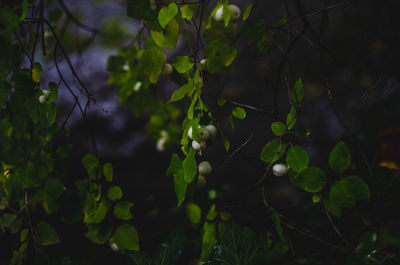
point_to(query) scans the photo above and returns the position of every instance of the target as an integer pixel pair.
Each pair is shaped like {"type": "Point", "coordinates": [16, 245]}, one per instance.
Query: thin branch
{"type": "Point", "coordinates": [238, 149]}
{"type": "Point", "coordinates": [91, 29]}
{"type": "Point", "coordinates": [337, 231]}
{"type": "Point", "coordinates": [250, 107]}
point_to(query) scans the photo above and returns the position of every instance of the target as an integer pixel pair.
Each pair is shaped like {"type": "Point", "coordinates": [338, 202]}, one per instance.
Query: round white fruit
{"type": "Point", "coordinates": [212, 130]}
{"type": "Point", "coordinates": [190, 132]}
{"type": "Point", "coordinates": [204, 134]}
{"type": "Point", "coordinates": [280, 170]}
{"type": "Point", "coordinates": [42, 99]}
{"type": "Point", "coordinates": [167, 69]}
{"type": "Point", "coordinates": [46, 92]}
{"type": "Point", "coordinates": [205, 168]}
{"type": "Point", "coordinates": [137, 86]}
{"type": "Point", "coordinates": [218, 14]}
{"type": "Point", "coordinates": [160, 146]}
{"type": "Point", "coordinates": [203, 62]}
{"type": "Point", "coordinates": [235, 12]}
{"type": "Point", "coordinates": [196, 145]}
{"type": "Point", "coordinates": [113, 246]}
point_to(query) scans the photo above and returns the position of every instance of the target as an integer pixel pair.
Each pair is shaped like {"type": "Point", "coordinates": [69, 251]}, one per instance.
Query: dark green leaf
{"type": "Point", "coordinates": [167, 37]}
{"type": "Point", "coordinates": [108, 172]}
{"type": "Point", "coordinates": [126, 237]}
{"type": "Point", "coordinates": [340, 158]}
{"type": "Point", "coordinates": [91, 163]}
{"type": "Point", "coordinates": [228, 55]}
{"type": "Point", "coordinates": [278, 128]}
{"type": "Point", "coordinates": [98, 233]}
{"type": "Point", "coordinates": [190, 166]}
{"type": "Point", "coordinates": [311, 179]}
{"type": "Point", "coordinates": [208, 240]}
{"type": "Point", "coordinates": [291, 118]}
{"type": "Point", "coordinates": [114, 193]}
{"type": "Point", "coordinates": [273, 151]}
{"type": "Point", "coordinates": [122, 210]}
{"type": "Point", "coordinates": [53, 88]}
{"type": "Point", "coordinates": [297, 158]}
{"type": "Point", "coordinates": [37, 72]}
{"type": "Point", "coordinates": [297, 93]}
{"type": "Point", "coordinates": [247, 11]}
{"type": "Point", "coordinates": [45, 234]}
{"type": "Point", "coordinates": [97, 214]}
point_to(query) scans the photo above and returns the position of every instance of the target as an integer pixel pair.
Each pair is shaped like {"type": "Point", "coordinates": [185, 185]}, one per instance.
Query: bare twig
{"type": "Point", "coordinates": [250, 107]}
{"type": "Point", "coordinates": [337, 231]}
{"type": "Point", "coordinates": [238, 149]}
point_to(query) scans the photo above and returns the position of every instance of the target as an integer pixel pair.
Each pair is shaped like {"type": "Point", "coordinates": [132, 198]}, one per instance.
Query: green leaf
{"type": "Point", "coordinates": [214, 64]}
{"type": "Point", "coordinates": [182, 64]}
{"type": "Point", "coordinates": [228, 55]}
{"type": "Point", "coordinates": [167, 37]}
{"type": "Point", "coordinates": [180, 185]}
{"type": "Point", "coordinates": [27, 176]}
{"type": "Point", "coordinates": [174, 165]}
{"type": "Point", "coordinates": [264, 44]}
{"type": "Point", "coordinates": [340, 158]}
{"type": "Point", "coordinates": [53, 190]}
{"type": "Point", "coordinates": [278, 128]}
{"type": "Point", "coordinates": [241, 246]}
{"type": "Point", "coordinates": [24, 234]}
{"type": "Point", "coordinates": [152, 61]}
{"type": "Point", "coordinates": [273, 151]}
{"type": "Point", "coordinates": [209, 239]}
{"type": "Point", "coordinates": [122, 210]}
{"type": "Point", "coordinates": [239, 113]}
{"type": "Point", "coordinates": [212, 214]}
{"type": "Point", "coordinates": [114, 193]}
{"type": "Point", "coordinates": [254, 28]}
{"type": "Point", "coordinates": [391, 233]}
{"type": "Point", "coordinates": [97, 214]}
{"type": "Point", "coordinates": [179, 93]}
{"type": "Point", "coordinates": [193, 212]}
{"type": "Point", "coordinates": [5, 91]}
{"type": "Point", "coordinates": [36, 72]}
{"type": "Point", "coordinates": [345, 191]}
{"type": "Point", "coordinates": [291, 118]}
{"type": "Point", "coordinates": [297, 93]}
{"type": "Point", "coordinates": [186, 12]}
{"type": "Point", "coordinates": [53, 88]}
{"type": "Point", "coordinates": [108, 172]}
{"type": "Point", "coordinates": [126, 237]}
{"type": "Point", "coordinates": [226, 13]}
{"type": "Point", "coordinates": [45, 234]}
{"type": "Point", "coordinates": [297, 158]}
{"type": "Point", "coordinates": [366, 243]}
{"type": "Point", "coordinates": [90, 163]}
{"type": "Point", "coordinates": [302, 132]}
{"type": "Point", "coordinates": [99, 233]}
{"type": "Point", "coordinates": [221, 101]}
{"type": "Point", "coordinates": [51, 114]}
{"type": "Point", "coordinates": [167, 13]}
{"type": "Point", "coordinates": [311, 179]}
{"type": "Point", "coordinates": [247, 11]}
{"type": "Point", "coordinates": [190, 166]}
{"type": "Point", "coordinates": [332, 207]}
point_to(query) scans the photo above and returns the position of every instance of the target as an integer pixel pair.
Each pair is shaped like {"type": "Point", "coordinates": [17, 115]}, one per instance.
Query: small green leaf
{"type": "Point", "coordinates": [193, 212]}
{"type": "Point", "coordinates": [126, 237]}
{"type": "Point", "coordinates": [53, 88]}
{"type": "Point", "coordinates": [297, 158]}
{"type": "Point", "coordinates": [311, 179]}
{"type": "Point", "coordinates": [228, 55]}
{"type": "Point", "coordinates": [167, 13]}
{"type": "Point", "coordinates": [278, 128]}
{"type": "Point", "coordinates": [340, 158]}
{"type": "Point", "coordinates": [174, 165]}
{"type": "Point", "coordinates": [221, 101]}
{"type": "Point", "coordinates": [179, 93]}
{"type": "Point", "coordinates": [226, 13]}
{"type": "Point", "coordinates": [273, 151]}
{"type": "Point", "coordinates": [96, 215]}
{"type": "Point", "coordinates": [212, 214]}
{"type": "Point", "coordinates": [167, 37]}
{"type": "Point", "coordinates": [36, 72]}
{"type": "Point", "coordinates": [297, 93]}
{"type": "Point", "coordinates": [91, 163]}
{"type": "Point", "coordinates": [291, 118]}
{"type": "Point", "coordinates": [122, 210]}
{"type": "Point", "coordinates": [108, 172]}
{"type": "Point", "coordinates": [345, 191]}
{"type": "Point", "coordinates": [45, 234]}
{"type": "Point", "coordinates": [182, 64]}
{"type": "Point", "coordinates": [186, 12]}
{"type": "Point", "coordinates": [239, 113]}
{"type": "Point", "coordinates": [114, 193]}
{"type": "Point", "coordinates": [24, 234]}
{"type": "Point", "coordinates": [99, 233]}
{"type": "Point", "coordinates": [190, 166]}
{"type": "Point", "coordinates": [208, 240]}
{"type": "Point", "coordinates": [247, 11]}
{"type": "Point", "coordinates": [152, 61]}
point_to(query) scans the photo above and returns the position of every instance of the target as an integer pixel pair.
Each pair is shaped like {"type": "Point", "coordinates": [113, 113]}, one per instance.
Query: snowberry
{"type": "Point", "coordinates": [235, 12]}
{"type": "Point", "coordinates": [204, 168]}
{"type": "Point", "coordinates": [42, 99]}
{"type": "Point", "coordinates": [280, 170]}
{"type": "Point", "coordinates": [190, 132]}
{"type": "Point", "coordinates": [197, 146]}
{"type": "Point", "coordinates": [204, 134]}
{"type": "Point", "coordinates": [167, 69]}
{"type": "Point", "coordinates": [160, 146]}
{"type": "Point", "coordinates": [113, 246]}
{"type": "Point", "coordinates": [212, 130]}
{"type": "Point", "coordinates": [203, 62]}
{"type": "Point", "coordinates": [46, 93]}
{"type": "Point", "coordinates": [218, 14]}
{"type": "Point", "coordinates": [201, 182]}
{"type": "Point", "coordinates": [137, 86]}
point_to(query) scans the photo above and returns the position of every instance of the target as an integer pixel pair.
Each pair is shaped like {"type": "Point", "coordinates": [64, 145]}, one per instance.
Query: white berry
{"type": "Point", "coordinates": [196, 145]}
{"type": "Point", "coordinates": [137, 86]}
{"type": "Point", "coordinates": [42, 99]}
{"type": "Point", "coordinates": [113, 246]}
{"type": "Point", "coordinates": [218, 14]}
{"type": "Point", "coordinates": [235, 12]}
{"type": "Point", "coordinates": [205, 168]}
{"type": "Point", "coordinates": [203, 62]}
{"type": "Point", "coordinates": [190, 132]}
{"type": "Point", "coordinates": [204, 134]}
{"type": "Point", "coordinates": [46, 92]}
{"type": "Point", "coordinates": [280, 170]}
{"type": "Point", "coordinates": [212, 130]}
{"type": "Point", "coordinates": [167, 69]}
{"type": "Point", "coordinates": [160, 146]}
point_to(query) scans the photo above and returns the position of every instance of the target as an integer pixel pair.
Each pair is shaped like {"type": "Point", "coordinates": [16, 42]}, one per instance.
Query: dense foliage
{"type": "Point", "coordinates": [167, 74]}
